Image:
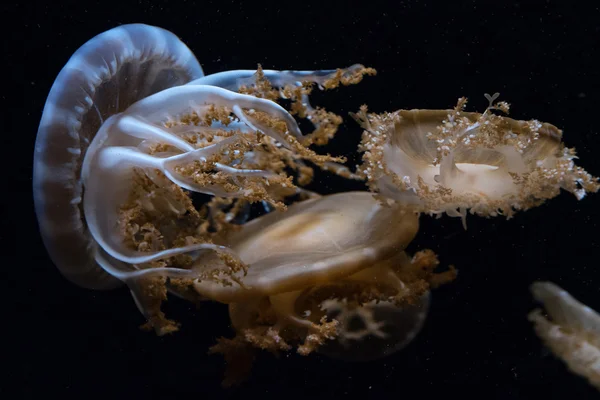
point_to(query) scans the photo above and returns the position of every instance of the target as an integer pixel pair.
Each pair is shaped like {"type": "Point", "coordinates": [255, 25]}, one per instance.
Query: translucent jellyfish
{"type": "Point", "coordinates": [454, 161]}
{"type": "Point", "coordinates": [373, 330]}
{"type": "Point", "coordinates": [572, 330]}
{"type": "Point", "coordinates": [131, 125]}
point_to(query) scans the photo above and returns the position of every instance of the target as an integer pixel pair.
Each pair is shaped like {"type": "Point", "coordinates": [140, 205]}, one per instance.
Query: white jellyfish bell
{"type": "Point", "coordinates": [131, 123]}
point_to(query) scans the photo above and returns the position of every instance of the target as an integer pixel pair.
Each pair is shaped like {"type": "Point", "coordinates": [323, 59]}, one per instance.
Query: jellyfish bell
{"type": "Point", "coordinates": [313, 242]}
{"type": "Point", "coordinates": [454, 161]}
{"type": "Point", "coordinates": [103, 77]}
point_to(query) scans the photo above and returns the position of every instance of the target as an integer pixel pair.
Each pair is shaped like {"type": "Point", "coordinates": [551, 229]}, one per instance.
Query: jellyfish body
{"type": "Point", "coordinates": [453, 161]}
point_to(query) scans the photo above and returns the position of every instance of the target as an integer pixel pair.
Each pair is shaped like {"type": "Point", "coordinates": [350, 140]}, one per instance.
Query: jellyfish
{"type": "Point", "coordinates": [571, 330]}
{"type": "Point", "coordinates": [455, 162]}
{"type": "Point", "coordinates": [309, 266]}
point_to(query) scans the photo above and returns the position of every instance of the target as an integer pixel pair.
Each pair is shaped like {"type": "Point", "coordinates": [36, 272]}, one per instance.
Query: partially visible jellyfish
{"type": "Point", "coordinates": [571, 330]}
{"type": "Point", "coordinates": [131, 124]}
{"type": "Point", "coordinates": [454, 161]}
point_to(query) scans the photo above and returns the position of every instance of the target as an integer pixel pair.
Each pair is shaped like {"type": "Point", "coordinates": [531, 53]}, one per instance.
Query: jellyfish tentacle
{"type": "Point", "coordinates": [257, 126]}
{"type": "Point", "coordinates": [147, 301]}
{"type": "Point", "coordinates": [125, 273]}
{"type": "Point", "coordinates": [243, 171]}
{"type": "Point", "coordinates": [131, 157]}
{"type": "Point", "coordinates": [129, 256]}
{"type": "Point", "coordinates": [135, 127]}
{"type": "Point", "coordinates": [235, 79]}
{"type": "Point", "coordinates": [116, 165]}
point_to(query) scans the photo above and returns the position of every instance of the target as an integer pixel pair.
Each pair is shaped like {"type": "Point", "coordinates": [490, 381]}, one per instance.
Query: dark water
{"type": "Point", "coordinates": [542, 57]}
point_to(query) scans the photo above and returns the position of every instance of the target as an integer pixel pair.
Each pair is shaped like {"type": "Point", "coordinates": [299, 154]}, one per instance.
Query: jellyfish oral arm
{"type": "Point", "coordinates": [235, 79]}
{"type": "Point", "coordinates": [182, 99]}
{"type": "Point", "coordinates": [108, 165]}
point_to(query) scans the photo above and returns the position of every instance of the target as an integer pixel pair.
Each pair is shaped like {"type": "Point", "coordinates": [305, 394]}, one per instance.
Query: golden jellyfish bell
{"type": "Point", "coordinates": [313, 242]}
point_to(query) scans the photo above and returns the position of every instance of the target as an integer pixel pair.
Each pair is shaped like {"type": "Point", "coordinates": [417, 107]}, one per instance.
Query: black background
{"type": "Point", "coordinates": [59, 340]}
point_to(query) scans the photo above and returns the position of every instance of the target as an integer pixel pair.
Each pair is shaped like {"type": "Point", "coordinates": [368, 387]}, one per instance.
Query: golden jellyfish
{"type": "Point", "coordinates": [455, 162]}
{"type": "Point", "coordinates": [570, 329]}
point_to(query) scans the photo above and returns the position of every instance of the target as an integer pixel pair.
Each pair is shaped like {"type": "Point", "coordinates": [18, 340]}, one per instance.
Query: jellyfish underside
{"type": "Point", "coordinates": [454, 161]}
